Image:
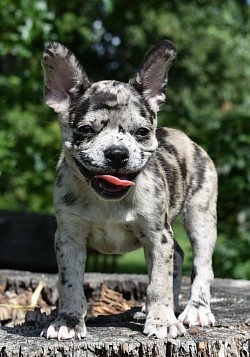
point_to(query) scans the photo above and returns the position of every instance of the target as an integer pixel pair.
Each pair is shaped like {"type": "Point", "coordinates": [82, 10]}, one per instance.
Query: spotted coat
{"type": "Point", "coordinates": [109, 129]}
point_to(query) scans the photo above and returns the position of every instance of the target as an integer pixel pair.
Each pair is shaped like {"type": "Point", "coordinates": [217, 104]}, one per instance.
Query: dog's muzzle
{"type": "Point", "coordinates": [108, 185]}
{"type": "Point", "coordinates": [116, 181]}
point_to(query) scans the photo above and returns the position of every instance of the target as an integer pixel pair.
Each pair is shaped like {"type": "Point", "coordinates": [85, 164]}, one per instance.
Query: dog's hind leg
{"type": "Point", "coordinates": [199, 215]}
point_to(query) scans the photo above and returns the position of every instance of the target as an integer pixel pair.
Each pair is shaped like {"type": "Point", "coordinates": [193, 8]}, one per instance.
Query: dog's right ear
{"type": "Point", "coordinates": [63, 76]}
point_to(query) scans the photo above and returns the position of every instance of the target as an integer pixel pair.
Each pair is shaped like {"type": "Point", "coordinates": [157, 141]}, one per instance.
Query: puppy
{"type": "Point", "coordinates": [120, 184]}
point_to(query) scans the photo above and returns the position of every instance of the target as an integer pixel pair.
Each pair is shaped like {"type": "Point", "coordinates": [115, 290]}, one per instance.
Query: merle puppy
{"type": "Point", "coordinates": [120, 184]}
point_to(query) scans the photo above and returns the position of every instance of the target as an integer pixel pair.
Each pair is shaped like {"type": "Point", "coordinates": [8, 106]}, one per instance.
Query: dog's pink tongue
{"type": "Point", "coordinates": [115, 180]}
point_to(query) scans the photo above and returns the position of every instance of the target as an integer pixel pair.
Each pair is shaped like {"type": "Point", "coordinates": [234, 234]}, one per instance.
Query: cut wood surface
{"type": "Point", "coordinates": [121, 334]}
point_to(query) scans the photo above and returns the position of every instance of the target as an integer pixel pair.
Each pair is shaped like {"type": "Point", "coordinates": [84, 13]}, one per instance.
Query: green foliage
{"type": "Point", "coordinates": [29, 137]}
{"type": "Point", "coordinates": [208, 95]}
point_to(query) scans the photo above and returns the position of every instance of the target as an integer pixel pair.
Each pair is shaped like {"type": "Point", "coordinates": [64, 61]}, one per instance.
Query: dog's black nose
{"type": "Point", "coordinates": [117, 156]}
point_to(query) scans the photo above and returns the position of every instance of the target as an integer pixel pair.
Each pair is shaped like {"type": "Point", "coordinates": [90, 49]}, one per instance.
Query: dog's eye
{"type": "Point", "coordinates": [142, 132]}
{"type": "Point", "coordinates": [85, 130]}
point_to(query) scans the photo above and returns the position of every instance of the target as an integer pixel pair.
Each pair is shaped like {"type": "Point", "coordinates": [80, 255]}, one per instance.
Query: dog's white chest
{"type": "Point", "coordinates": [112, 238]}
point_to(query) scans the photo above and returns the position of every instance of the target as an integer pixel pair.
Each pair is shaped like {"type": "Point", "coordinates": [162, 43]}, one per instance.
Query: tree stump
{"type": "Point", "coordinates": [121, 335]}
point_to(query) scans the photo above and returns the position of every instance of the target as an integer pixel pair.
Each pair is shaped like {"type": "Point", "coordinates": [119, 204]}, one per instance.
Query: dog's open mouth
{"type": "Point", "coordinates": [112, 186]}
{"type": "Point", "coordinates": [115, 181]}
{"type": "Point", "coordinates": [109, 186]}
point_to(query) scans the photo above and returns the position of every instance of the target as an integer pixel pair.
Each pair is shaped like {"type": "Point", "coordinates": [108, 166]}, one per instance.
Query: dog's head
{"type": "Point", "coordinates": [108, 127]}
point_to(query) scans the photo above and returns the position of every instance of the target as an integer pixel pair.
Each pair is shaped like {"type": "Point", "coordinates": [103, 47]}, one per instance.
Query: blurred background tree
{"type": "Point", "coordinates": [208, 94]}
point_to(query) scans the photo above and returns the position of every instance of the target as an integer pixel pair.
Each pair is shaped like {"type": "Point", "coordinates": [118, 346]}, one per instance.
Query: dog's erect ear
{"type": "Point", "coordinates": [151, 78]}
{"type": "Point", "coordinates": [63, 76]}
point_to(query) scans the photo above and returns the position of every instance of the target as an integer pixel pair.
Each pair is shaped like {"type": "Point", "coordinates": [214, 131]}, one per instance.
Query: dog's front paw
{"type": "Point", "coordinates": [196, 316]}
{"type": "Point", "coordinates": [161, 327]}
{"type": "Point", "coordinates": [66, 327]}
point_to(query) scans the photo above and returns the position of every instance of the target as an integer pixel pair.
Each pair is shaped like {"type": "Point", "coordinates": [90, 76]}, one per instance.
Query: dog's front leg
{"type": "Point", "coordinates": [200, 220]}
{"type": "Point", "coordinates": [201, 227]}
{"type": "Point", "coordinates": [161, 320]}
{"type": "Point", "coordinates": [70, 247]}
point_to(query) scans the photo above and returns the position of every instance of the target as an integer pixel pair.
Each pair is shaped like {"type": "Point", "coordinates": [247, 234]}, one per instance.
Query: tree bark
{"type": "Point", "coordinates": [121, 335]}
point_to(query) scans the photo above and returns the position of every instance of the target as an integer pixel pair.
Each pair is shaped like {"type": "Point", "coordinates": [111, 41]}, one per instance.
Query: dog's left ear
{"type": "Point", "coordinates": [151, 79]}
{"type": "Point", "coordinates": [63, 76]}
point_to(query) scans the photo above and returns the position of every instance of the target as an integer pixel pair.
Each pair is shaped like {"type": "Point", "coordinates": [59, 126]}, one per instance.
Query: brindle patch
{"type": "Point", "coordinates": [69, 199]}
{"type": "Point", "coordinates": [201, 167]}
{"type": "Point", "coordinates": [164, 239]}
{"type": "Point", "coordinates": [103, 100]}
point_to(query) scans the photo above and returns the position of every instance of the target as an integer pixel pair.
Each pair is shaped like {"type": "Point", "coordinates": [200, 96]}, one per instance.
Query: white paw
{"type": "Point", "coordinates": [162, 328]}
{"type": "Point", "coordinates": [65, 328]}
{"type": "Point", "coordinates": [197, 316]}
